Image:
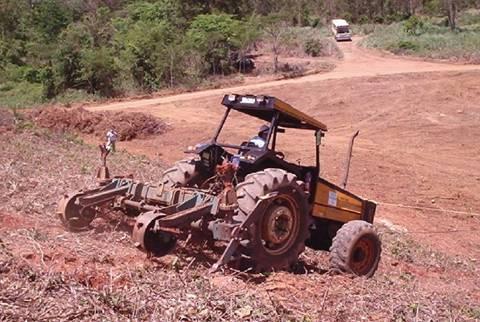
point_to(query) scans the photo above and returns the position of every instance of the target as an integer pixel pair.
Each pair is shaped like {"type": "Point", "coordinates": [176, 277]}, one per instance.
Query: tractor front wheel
{"type": "Point", "coordinates": [356, 249]}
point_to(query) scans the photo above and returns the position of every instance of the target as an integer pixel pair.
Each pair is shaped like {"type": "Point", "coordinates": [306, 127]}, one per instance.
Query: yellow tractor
{"type": "Point", "coordinates": [263, 208]}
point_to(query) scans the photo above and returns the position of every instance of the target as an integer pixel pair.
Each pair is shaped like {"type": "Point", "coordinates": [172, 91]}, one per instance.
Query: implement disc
{"type": "Point", "coordinates": [151, 239]}
{"type": "Point", "coordinates": [72, 215]}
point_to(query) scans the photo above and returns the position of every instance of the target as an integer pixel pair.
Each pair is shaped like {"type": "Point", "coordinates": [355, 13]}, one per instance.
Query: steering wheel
{"type": "Point", "coordinates": [245, 147]}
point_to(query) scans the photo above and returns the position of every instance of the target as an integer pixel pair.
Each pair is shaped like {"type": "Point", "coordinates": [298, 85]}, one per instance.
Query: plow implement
{"type": "Point", "coordinates": [164, 215]}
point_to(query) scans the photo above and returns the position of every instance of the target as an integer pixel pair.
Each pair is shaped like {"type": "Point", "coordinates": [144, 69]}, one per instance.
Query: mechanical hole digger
{"type": "Point", "coordinates": [263, 208]}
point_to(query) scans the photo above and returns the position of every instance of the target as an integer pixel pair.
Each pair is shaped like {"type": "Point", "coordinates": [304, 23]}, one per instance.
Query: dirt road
{"type": "Point", "coordinates": [357, 62]}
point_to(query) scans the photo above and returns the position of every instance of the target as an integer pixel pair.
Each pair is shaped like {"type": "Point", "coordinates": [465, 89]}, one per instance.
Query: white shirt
{"type": "Point", "coordinates": [112, 137]}
{"type": "Point", "coordinates": [258, 141]}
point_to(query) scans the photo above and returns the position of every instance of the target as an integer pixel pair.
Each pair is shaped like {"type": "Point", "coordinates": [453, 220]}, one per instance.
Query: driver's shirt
{"type": "Point", "coordinates": [258, 141]}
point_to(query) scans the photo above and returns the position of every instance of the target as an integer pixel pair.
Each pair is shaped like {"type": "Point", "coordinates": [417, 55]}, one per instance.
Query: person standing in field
{"type": "Point", "coordinates": [112, 137]}
{"type": "Point", "coordinates": [109, 146]}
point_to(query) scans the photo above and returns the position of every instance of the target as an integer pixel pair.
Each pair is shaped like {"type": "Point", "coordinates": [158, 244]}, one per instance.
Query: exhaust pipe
{"type": "Point", "coordinates": [347, 161]}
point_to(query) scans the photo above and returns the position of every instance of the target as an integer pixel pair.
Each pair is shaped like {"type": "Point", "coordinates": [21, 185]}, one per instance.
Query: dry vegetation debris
{"type": "Point", "coordinates": [7, 121]}
{"type": "Point", "coordinates": [78, 120]}
{"type": "Point", "coordinates": [48, 274]}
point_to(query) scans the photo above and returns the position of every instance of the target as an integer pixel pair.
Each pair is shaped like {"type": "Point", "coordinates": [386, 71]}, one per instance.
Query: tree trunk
{"type": "Point", "coordinates": [382, 8]}
{"type": "Point", "coordinates": [275, 59]}
{"type": "Point", "coordinates": [172, 52]}
{"type": "Point", "coordinates": [452, 13]}
{"type": "Point", "coordinates": [331, 12]}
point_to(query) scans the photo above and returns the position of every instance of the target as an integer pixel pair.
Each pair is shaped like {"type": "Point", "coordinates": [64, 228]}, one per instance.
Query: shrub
{"type": "Point", "coordinates": [313, 47]}
{"type": "Point", "coordinates": [292, 71]}
{"type": "Point", "coordinates": [407, 45]}
{"type": "Point", "coordinates": [414, 26]}
{"type": "Point", "coordinates": [378, 19]}
{"type": "Point", "coordinates": [396, 17]}
{"type": "Point", "coordinates": [74, 95]}
{"type": "Point", "coordinates": [469, 17]}
{"type": "Point", "coordinates": [364, 29]}
{"type": "Point", "coordinates": [363, 20]}
{"type": "Point", "coordinates": [315, 22]}
{"type": "Point", "coordinates": [31, 74]}
{"type": "Point", "coordinates": [158, 11]}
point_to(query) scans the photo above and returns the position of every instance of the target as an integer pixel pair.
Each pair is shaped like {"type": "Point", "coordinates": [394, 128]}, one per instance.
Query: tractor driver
{"type": "Point", "coordinates": [260, 140]}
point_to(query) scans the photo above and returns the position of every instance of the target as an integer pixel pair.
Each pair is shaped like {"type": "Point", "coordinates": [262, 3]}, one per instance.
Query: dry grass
{"type": "Point", "coordinates": [431, 39]}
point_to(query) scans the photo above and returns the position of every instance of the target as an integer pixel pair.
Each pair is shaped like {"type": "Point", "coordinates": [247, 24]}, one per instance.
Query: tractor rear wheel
{"type": "Point", "coordinates": [182, 174]}
{"type": "Point", "coordinates": [277, 237]}
{"type": "Point", "coordinates": [356, 249]}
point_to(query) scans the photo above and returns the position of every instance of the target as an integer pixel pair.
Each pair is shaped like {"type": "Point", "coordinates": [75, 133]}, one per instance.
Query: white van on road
{"type": "Point", "coordinates": [341, 30]}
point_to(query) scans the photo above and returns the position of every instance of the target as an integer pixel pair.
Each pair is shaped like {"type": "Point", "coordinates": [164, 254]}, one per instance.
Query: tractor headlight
{"type": "Point", "coordinates": [232, 98]}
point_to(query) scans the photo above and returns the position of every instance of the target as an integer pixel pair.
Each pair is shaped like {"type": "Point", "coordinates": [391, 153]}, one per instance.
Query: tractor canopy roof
{"type": "Point", "coordinates": [265, 107]}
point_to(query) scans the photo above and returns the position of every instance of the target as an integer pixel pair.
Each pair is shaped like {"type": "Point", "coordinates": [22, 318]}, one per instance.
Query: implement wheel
{"type": "Point", "coordinates": [277, 237]}
{"type": "Point", "coordinates": [182, 174]}
{"type": "Point", "coordinates": [73, 216]}
{"type": "Point", "coordinates": [148, 238]}
{"type": "Point", "coordinates": [356, 249]}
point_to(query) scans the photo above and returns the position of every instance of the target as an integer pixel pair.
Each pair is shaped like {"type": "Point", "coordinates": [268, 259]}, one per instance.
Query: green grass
{"type": "Point", "coordinates": [75, 95]}
{"type": "Point", "coordinates": [364, 29]}
{"type": "Point", "coordinates": [470, 17]}
{"type": "Point", "coordinates": [20, 95]}
{"type": "Point", "coordinates": [24, 94]}
{"type": "Point", "coordinates": [432, 39]}
{"type": "Point", "coordinates": [21, 87]}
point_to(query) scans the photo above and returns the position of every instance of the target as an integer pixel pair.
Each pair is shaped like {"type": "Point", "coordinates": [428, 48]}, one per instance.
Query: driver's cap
{"type": "Point", "coordinates": [264, 128]}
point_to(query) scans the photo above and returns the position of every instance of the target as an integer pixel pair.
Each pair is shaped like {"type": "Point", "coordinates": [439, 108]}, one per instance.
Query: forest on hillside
{"type": "Point", "coordinates": [106, 48]}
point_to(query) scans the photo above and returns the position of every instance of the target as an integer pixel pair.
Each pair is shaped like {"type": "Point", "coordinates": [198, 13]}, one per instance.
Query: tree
{"type": "Point", "coordinates": [216, 38]}
{"type": "Point", "coordinates": [275, 29]}
{"type": "Point", "coordinates": [451, 8]}
{"type": "Point", "coordinates": [161, 10]}
{"type": "Point", "coordinates": [99, 70]}
{"type": "Point", "coordinates": [144, 49]}
{"type": "Point", "coordinates": [249, 33]}
{"type": "Point", "coordinates": [99, 26]}
{"type": "Point", "coordinates": [67, 60]}
{"type": "Point", "coordinates": [12, 12]}
{"type": "Point", "coordinates": [50, 17]}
